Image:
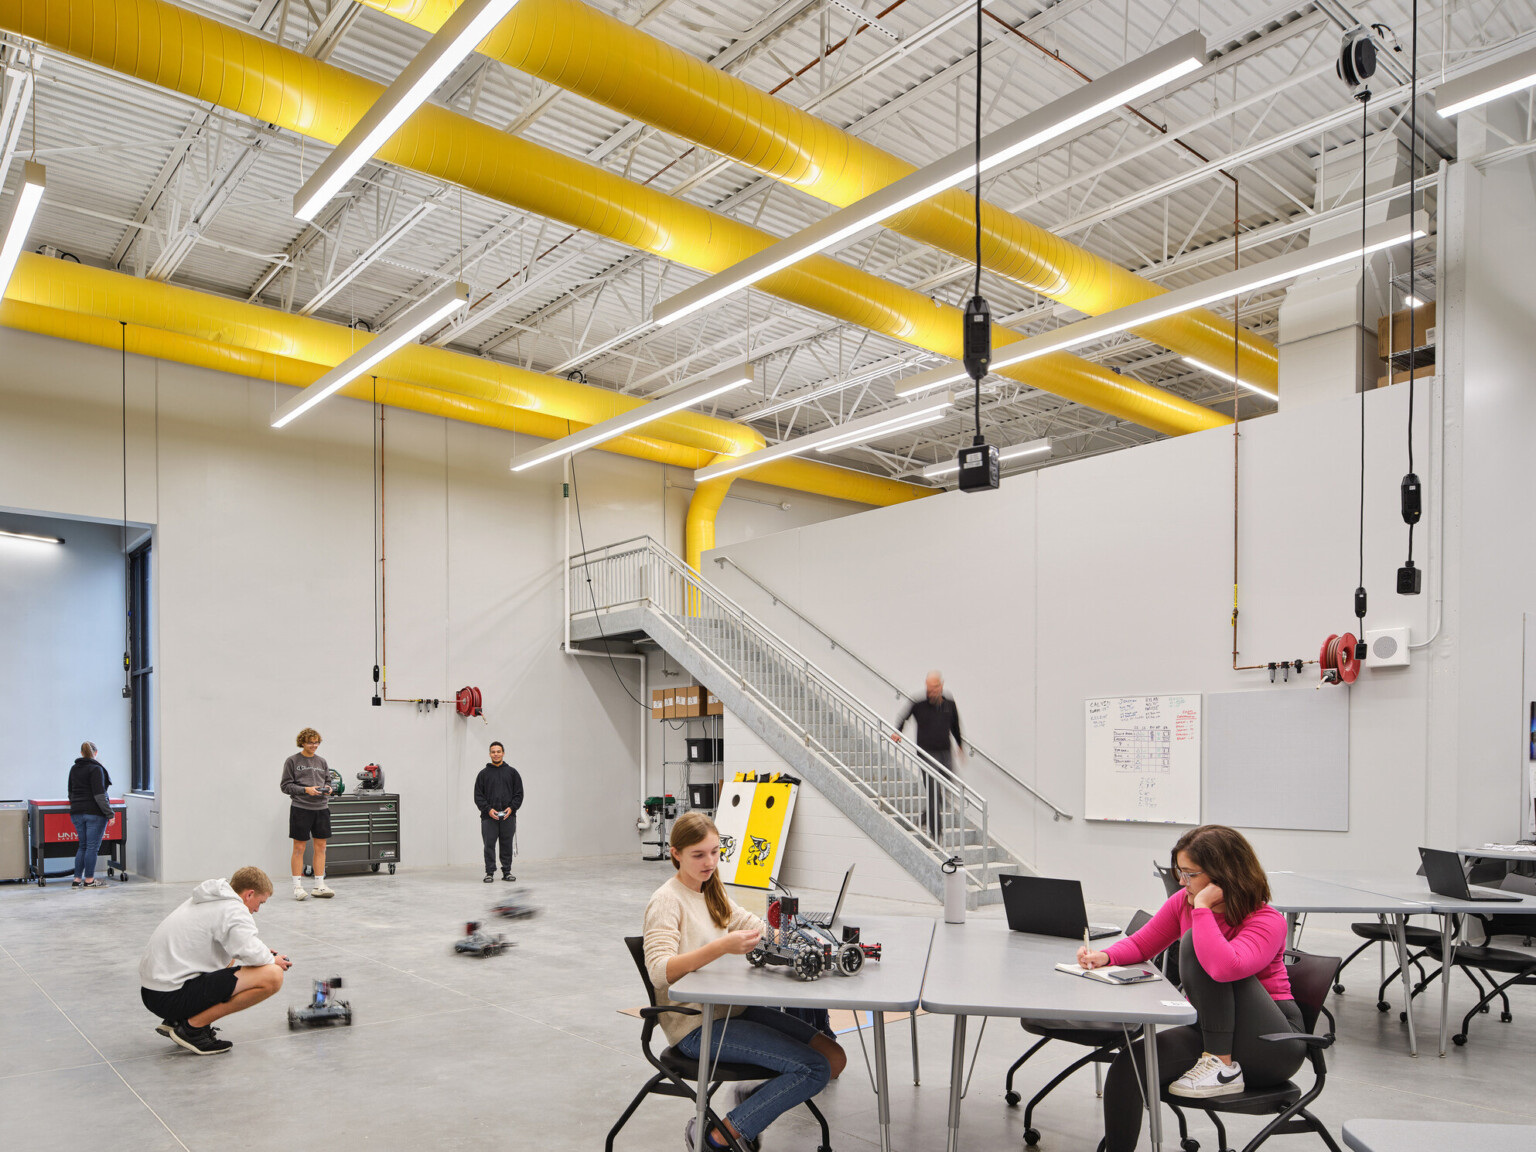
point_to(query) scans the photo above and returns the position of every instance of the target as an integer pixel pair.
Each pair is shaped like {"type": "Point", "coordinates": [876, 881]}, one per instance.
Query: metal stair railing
{"type": "Point", "coordinates": [897, 777]}
{"type": "Point", "coordinates": [1057, 812]}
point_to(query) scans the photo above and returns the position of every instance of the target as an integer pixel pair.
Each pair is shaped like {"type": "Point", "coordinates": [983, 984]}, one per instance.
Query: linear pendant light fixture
{"type": "Point", "coordinates": [28, 197]}
{"type": "Point", "coordinates": [433, 310]}
{"type": "Point", "coordinates": [1017, 452]}
{"type": "Point", "coordinates": [29, 538]}
{"type": "Point", "coordinates": [1229, 378]}
{"type": "Point", "coordinates": [1501, 78]}
{"type": "Point", "coordinates": [1056, 119]}
{"type": "Point", "coordinates": [1302, 262]}
{"type": "Point", "coordinates": [839, 436]}
{"type": "Point", "coordinates": [635, 418]}
{"type": "Point", "coordinates": [470, 23]}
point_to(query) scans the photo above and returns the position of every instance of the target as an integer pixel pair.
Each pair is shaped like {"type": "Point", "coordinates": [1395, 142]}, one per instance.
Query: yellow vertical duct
{"type": "Point", "coordinates": [699, 528]}
{"type": "Point", "coordinates": [238, 70]}
{"type": "Point", "coordinates": [574, 46]}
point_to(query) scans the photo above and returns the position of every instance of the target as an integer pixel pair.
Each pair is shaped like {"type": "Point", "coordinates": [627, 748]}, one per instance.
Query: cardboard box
{"type": "Point", "coordinates": [712, 705]}
{"type": "Point", "coordinates": [658, 703]}
{"type": "Point", "coordinates": [668, 703]}
{"type": "Point", "coordinates": [1410, 328]}
{"type": "Point", "coordinates": [1422, 375]}
{"type": "Point", "coordinates": [689, 700]}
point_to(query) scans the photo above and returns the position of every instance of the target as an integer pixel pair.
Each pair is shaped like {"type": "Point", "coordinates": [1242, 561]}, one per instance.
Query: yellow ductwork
{"type": "Point", "coordinates": [240, 71]}
{"type": "Point", "coordinates": [572, 45]}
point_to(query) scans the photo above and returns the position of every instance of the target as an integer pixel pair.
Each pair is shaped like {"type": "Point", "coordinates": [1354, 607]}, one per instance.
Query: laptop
{"type": "Point", "coordinates": [1049, 907]}
{"type": "Point", "coordinates": [1444, 872]}
{"type": "Point", "coordinates": [825, 919]}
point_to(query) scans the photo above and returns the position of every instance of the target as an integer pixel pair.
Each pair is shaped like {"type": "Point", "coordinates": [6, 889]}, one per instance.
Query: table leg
{"type": "Point", "coordinates": [882, 1084]}
{"type": "Point", "coordinates": [707, 1030]}
{"type": "Point", "coordinates": [956, 1083]}
{"type": "Point", "coordinates": [1290, 929]}
{"type": "Point", "coordinates": [1154, 1086]}
{"type": "Point", "coordinates": [1447, 951]}
{"type": "Point", "coordinates": [1400, 939]}
{"type": "Point", "coordinates": [916, 1076]}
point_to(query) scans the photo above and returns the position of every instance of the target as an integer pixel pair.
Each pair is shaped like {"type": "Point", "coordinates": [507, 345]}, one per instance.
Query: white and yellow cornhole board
{"type": "Point", "coordinates": [753, 817]}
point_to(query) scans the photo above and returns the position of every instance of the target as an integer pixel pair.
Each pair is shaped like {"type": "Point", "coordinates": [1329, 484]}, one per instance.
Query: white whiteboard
{"type": "Point", "coordinates": [1279, 758]}
{"type": "Point", "coordinates": [1143, 758]}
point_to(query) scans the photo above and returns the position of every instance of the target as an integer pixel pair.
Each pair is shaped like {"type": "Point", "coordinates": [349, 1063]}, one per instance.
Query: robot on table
{"type": "Point", "coordinates": [808, 950]}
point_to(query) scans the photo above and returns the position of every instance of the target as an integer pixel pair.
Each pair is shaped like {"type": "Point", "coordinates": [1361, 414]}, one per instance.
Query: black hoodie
{"type": "Point", "coordinates": [498, 788]}
{"type": "Point", "coordinates": [88, 784]}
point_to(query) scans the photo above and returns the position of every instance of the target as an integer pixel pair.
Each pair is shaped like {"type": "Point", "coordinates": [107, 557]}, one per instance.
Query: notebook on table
{"type": "Point", "coordinates": [1113, 973]}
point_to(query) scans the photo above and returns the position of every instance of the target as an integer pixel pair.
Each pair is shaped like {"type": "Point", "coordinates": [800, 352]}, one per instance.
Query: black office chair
{"type": "Point", "coordinates": [1104, 1043]}
{"type": "Point", "coordinates": [675, 1072]}
{"type": "Point", "coordinates": [1422, 942]}
{"type": "Point", "coordinates": [1311, 979]}
{"type": "Point", "coordinates": [1519, 967]}
{"type": "Point", "coordinates": [1170, 959]}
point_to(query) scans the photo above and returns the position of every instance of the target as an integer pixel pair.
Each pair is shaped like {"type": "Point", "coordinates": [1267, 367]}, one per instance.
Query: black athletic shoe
{"type": "Point", "coordinates": [203, 1041]}
{"type": "Point", "coordinates": [165, 1027]}
{"type": "Point", "coordinates": [489, 876]}
{"type": "Point", "coordinates": [508, 876]}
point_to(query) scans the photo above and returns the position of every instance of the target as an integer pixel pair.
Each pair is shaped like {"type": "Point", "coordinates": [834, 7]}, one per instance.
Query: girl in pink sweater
{"type": "Point", "coordinates": [1231, 966]}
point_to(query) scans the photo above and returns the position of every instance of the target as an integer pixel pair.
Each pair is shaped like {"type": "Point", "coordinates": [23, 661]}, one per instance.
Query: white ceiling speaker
{"type": "Point", "coordinates": [1388, 648]}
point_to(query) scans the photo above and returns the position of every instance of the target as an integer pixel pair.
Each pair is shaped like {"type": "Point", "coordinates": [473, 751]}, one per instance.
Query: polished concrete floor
{"type": "Point", "coordinates": [530, 1050]}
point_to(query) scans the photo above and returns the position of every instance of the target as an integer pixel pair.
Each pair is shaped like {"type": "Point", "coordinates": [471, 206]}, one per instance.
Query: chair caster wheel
{"type": "Point", "coordinates": [1505, 1017]}
{"type": "Point", "coordinates": [1402, 1017]}
{"type": "Point", "coordinates": [1190, 1145]}
{"type": "Point", "coordinates": [1383, 1006]}
{"type": "Point", "coordinates": [1031, 1137]}
{"type": "Point", "coordinates": [1484, 1009]}
{"type": "Point", "coordinates": [1460, 1039]}
{"type": "Point", "coordinates": [1011, 1097]}
{"type": "Point", "coordinates": [1339, 988]}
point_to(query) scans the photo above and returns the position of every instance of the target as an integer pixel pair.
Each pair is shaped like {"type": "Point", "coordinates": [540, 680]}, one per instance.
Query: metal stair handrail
{"type": "Point", "coordinates": [612, 586]}
{"type": "Point", "coordinates": [1057, 812]}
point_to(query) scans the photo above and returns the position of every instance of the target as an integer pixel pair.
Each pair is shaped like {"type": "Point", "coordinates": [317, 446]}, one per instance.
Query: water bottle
{"type": "Point", "coordinates": [954, 890]}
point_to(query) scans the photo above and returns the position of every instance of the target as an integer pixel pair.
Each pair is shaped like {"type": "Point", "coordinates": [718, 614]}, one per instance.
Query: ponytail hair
{"type": "Point", "coordinates": [691, 827]}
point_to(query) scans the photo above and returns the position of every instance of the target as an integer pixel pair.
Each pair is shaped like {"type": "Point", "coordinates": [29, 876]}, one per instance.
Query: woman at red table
{"type": "Point", "coordinates": [1232, 967]}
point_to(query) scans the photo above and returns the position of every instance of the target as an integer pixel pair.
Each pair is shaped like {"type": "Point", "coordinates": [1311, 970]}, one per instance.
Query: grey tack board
{"type": "Point", "coordinates": [1278, 758]}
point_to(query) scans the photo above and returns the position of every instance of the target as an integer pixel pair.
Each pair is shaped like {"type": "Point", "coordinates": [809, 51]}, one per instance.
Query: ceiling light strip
{"type": "Point", "coordinates": [433, 310]}
{"type": "Point", "coordinates": [1086, 104]}
{"type": "Point", "coordinates": [864, 428]}
{"type": "Point", "coordinates": [28, 198]}
{"type": "Point", "coordinates": [1302, 262]}
{"type": "Point", "coordinates": [470, 23]}
{"type": "Point", "coordinates": [1501, 78]}
{"type": "Point", "coordinates": [635, 418]}
{"type": "Point", "coordinates": [1229, 378]}
{"type": "Point", "coordinates": [29, 538]}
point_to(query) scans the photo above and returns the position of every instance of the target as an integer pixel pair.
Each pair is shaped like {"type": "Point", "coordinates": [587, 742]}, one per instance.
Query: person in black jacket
{"type": "Point", "coordinates": [498, 795]}
{"type": "Point", "coordinates": [90, 811]}
{"type": "Point", "coordinates": [938, 722]}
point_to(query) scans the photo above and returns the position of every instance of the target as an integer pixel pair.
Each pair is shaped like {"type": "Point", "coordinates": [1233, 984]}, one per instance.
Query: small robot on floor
{"type": "Point", "coordinates": [476, 942]}
{"type": "Point", "coordinates": [516, 906]}
{"type": "Point", "coordinates": [324, 1009]}
{"type": "Point", "coordinates": [808, 950]}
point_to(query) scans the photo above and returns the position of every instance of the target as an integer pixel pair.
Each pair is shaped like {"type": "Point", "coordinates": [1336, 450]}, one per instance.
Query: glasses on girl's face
{"type": "Point", "coordinates": [1187, 874]}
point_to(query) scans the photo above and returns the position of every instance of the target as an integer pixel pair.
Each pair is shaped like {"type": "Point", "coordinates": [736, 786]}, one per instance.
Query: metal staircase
{"type": "Point", "coordinates": [838, 744]}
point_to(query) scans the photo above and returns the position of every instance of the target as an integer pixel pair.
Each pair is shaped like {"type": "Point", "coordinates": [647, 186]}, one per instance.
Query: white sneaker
{"type": "Point", "coordinates": [300, 894]}
{"type": "Point", "coordinates": [1209, 1077]}
{"type": "Point", "coordinates": [321, 891]}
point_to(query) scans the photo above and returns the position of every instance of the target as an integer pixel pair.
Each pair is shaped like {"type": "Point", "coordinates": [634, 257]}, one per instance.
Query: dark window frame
{"type": "Point", "coordinates": [141, 667]}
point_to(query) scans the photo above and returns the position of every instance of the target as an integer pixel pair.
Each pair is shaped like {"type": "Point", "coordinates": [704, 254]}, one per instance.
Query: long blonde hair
{"type": "Point", "coordinates": [691, 827]}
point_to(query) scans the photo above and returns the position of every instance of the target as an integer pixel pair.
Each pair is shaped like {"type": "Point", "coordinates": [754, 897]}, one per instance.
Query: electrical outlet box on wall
{"type": "Point", "coordinates": [1388, 648]}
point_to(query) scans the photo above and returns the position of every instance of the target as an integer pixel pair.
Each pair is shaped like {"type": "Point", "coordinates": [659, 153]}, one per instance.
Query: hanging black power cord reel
{"type": "Point", "coordinates": [980, 464]}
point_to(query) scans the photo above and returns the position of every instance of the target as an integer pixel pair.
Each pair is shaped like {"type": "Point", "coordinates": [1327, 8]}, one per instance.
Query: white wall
{"type": "Point", "coordinates": [1113, 575]}
{"type": "Point", "coordinates": [265, 597]}
{"type": "Point", "coordinates": [61, 660]}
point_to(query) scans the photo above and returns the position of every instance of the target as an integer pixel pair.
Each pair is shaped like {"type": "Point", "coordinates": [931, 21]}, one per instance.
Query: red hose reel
{"type": "Point", "coordinates": [467, 702]}
{"type": "Point", "coordinates": [1338, 661]}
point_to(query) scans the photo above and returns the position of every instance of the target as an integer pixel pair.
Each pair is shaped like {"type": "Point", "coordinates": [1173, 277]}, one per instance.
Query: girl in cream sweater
{"type": "Point", "coordinates": [691, 922]}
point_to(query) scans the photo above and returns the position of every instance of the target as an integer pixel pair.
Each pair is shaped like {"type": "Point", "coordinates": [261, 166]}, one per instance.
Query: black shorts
{"type": "Point", "coordinates": [306, 823]}
{"type": "Point", "coordinates": [195, 996]}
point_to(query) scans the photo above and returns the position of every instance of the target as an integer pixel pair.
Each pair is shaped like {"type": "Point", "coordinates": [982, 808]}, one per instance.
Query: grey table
{"type": "Point", "coordinates": [1294, 893]}
{"type": "Point", "coordinates": [981, 968]}
{"type": "Point", "coordinates": [1435, 1136]}
{"type": "Point", "coordinates": [1416, 889]}
{"type": "Point", "coordinates": [1485, 853]}
{"type": "Point", "coordinates": [894, 983]}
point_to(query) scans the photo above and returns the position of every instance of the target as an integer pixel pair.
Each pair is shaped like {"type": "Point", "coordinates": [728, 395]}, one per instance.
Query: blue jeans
{"type": "Point", "coordinates": [89, 830]}
{"type": "Point", "coordinates": [774, 1040]}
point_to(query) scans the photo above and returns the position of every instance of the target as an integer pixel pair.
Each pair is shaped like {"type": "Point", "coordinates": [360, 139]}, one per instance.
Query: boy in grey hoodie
{"type": "Point", "coordinates": [205, 961]}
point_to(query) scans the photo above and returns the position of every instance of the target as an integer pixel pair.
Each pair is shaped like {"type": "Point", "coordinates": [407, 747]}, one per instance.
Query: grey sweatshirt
{"type": "Point", "coordinates": [300, 772]}
{"type": "Point", "coordinates": [209, 930]}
